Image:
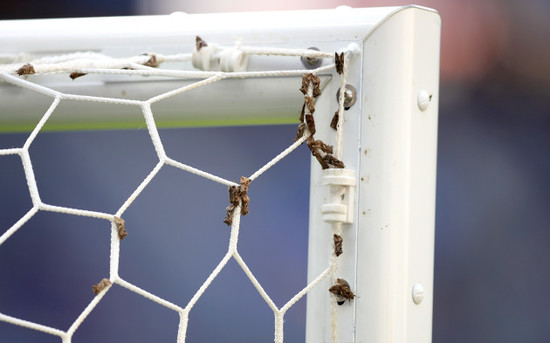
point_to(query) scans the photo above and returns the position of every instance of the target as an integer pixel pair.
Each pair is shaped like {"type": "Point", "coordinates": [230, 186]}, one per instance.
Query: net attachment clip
{"type": "Point", "coordinates": [341, 195]}
{"type": "Point", "coordinates": [211, 57]}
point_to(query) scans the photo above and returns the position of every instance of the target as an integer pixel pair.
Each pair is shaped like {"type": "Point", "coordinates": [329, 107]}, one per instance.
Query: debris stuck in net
{"type": "Point", "coordinates": [333, 161]}
{"type": "Point", "coordinates": [342, 291]}
{"type": "Point", "coordinates": [310, 122]}
{"type": "Point", "coordinates": [323, 154]}
{"type": "Point", "coordinates": [319, 145]}
{"type": "Point", "coordinates": [301, 130]}
{"type": "Point", "coordinates": [310, 82]}
{"type": "Point", "coordinates": [152, 61]}
{"type": "Point", "coordinates": [338, 240]}
{"type": "Point", "coordinates": [314, 80]}
{"type": "Point", "coordinates": [121, 227]}
{"type": "Point", "coordinates": [339, 61]}
{"type": "Point", "coordinates": [321, 151]}
{"type": "Point", "coordinates": [26, 69]}
{"type": "Point", "coordinates": [238, 195]}
{"type": "Point", "coordinates": [308, 101]}
{"type": "Point", "coordinates": [199, 43]}
{"type": "Point", "coordinates": [101, 286]}
{"type": "Point", "coordinates": [334, 121]}
{"type": "Point", "coordinates": [303, 113]}
{"type": "Point", "coordinates": [76, 74]}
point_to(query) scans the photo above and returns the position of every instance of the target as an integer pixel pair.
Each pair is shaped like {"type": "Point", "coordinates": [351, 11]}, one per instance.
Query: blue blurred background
{"type": "Point", "coordinates": [492, 272]}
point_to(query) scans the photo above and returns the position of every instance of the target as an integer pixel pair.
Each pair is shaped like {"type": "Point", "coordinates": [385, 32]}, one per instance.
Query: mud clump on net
{"type": "Point", "coordinates": [238, 195]}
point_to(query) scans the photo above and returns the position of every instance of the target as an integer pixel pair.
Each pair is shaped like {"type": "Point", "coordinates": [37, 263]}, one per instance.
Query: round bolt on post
{"type": "Point", "coordinates": [349, 96]}
{"type": "Point", "coordinates": [423, 99]}
{"type": "Point", "coordinates": [311, 62]}
{"type": "Point", "coordinates": [418, 293]}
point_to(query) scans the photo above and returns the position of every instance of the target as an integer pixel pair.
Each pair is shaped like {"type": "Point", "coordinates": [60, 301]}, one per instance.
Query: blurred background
{"type": "Point", "coordinates": [492, 272]}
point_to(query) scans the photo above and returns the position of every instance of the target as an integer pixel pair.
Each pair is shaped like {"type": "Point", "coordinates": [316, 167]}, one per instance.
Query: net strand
{"type": "Point", "coordinates": [16, 81]}
{"type": "Point", "coordinates": [18, 224]}
{"type": "Point", "coordinates": [139, 189]}
{"type": "Point", "coordinates": [114, 256]}
{"type": "Point", "coordinates": [41, 123]}
{"type": "Point", "coordinates": [153, 131]}
{"type": "Point", "coordinates": [337, 226]}
{"type": "Point", "coordinates": [148, 295]}
{"type": "Point", "coordinates": [94, 63]}
{"type": "Point", "coordinates": [75, 211]}
{"type": "Point", "coordinates": [11, 151]}
{"type": "Point", "coordinates": [279, 157]}
{"type": "Point", "coordinates": [285, 52]}
{"type": "Point", "coordinates": [341, 107]}
{"type": "Point", "coordinates": [87, 311]}
{"type": "Point", "coordinates": [29, 176]}
{"type": "Point", "coordinates": [31, 325]}
{"type": "Point", "coordinates": [336, 229]}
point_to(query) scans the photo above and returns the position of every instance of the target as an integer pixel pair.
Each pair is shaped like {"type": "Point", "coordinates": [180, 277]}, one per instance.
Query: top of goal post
{"type": "Point", "coordinates": [260, 100]}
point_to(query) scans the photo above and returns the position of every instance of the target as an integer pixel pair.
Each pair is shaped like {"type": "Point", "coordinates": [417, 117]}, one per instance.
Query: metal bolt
{"type": "Point", "coordinates": [423, 99]}
{"type": "Point", "coordinates": [311, 62]}
{"type": "Point", "coordinates": [418, 293]}
{"type": "Point", "coordinates": [349, 96]}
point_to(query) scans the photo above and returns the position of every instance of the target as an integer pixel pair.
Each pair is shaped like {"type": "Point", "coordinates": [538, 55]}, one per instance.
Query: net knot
{"type": "Point", "coordinates": [314, 80]}
{"type": "Point", "coordinates": [101, 286]}
{"type": "Point", "coordinates": [334, 121]}
{"type": "Point", "coordinates": [199, 43]}
{"type": "Point", "coordinates": [26, 69]}
{"type": "Point", "coordinates": [342, 291]}
{"type": "Point", "coordinates": [339, 61]}
{"type": "Point", "coordinates": [338, 240]}
{"type": "Point", "coordinates": [238, 195]}
{"type": "Point", "coordinates": [121, 227]}
{"type": "Point", "coordinates": [322, 152]}
{"type": "Point", "coordinates": [152, 61]}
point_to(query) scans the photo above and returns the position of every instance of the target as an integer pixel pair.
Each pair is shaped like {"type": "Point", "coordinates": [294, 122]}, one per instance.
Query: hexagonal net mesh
{"type": "Point", "coordinates": [78, 65]}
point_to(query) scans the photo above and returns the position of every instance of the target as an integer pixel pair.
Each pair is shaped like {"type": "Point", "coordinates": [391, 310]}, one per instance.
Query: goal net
{"type": "Point", "coordinates": [358, 86]}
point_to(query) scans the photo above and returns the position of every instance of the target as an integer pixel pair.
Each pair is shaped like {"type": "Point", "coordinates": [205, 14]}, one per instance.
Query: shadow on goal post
{"type": "Point", "coordinates": [361, 87]}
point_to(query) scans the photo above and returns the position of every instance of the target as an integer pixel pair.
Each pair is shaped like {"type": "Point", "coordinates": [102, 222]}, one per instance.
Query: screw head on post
{"type": "Point", "coordinates": [418, 293]}
{"type": "Point", "coordinates": [311, 62]}
{"type": "Point", "coordinates": [350, 95]}
{"type": "Point", "coordinates": [423, 99]}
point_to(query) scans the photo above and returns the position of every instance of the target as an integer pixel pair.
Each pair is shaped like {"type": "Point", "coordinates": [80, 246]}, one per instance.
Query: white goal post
{"type": "Point", "coordinates": [382, 204]}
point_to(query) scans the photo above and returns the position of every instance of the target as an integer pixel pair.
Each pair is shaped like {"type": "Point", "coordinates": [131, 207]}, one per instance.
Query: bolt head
{"type": "Point", "coordinates": [423, 99]}
{"type": "Point", "coordinates": [350, 95]}
{"type": "Point", "coordinates": [417, 293]}
{"type": "Point", "coordinates": [311, 62]}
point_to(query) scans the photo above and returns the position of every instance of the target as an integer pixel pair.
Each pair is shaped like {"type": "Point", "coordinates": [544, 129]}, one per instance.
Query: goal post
{"type": "Point", "coordinates": [391, 144]}
{"type": "Point", "coordinates": [372, 194]}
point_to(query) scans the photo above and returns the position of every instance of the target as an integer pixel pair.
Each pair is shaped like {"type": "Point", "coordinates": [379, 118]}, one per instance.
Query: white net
{"type": "Point", "coordinates": [23, 72]}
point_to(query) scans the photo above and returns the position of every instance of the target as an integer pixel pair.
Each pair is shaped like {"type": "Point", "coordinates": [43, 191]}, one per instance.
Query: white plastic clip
{"type": "Point", "coordinates": [341, 195]}
{"type": "Point", "coordinates": [207, 58]}
{"type": "Point", "coordinates": [214, 58]}
{"type": "Point", "coordinates": [233, 60]}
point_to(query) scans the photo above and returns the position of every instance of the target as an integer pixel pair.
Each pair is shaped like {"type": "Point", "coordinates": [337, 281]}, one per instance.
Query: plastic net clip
{"type": "Point", "coordinates": [214, 58]}
{"type": "Point", "coordinates": [341, 195]}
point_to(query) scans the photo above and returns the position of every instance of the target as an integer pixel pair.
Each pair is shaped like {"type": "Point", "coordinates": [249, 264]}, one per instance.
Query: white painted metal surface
{"type": "Point", "coordinates": [390, 141]}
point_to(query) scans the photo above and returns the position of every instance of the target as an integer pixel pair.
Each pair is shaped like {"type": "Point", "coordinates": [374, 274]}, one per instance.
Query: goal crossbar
{"type": "Point", "coordinates": [265, 100]}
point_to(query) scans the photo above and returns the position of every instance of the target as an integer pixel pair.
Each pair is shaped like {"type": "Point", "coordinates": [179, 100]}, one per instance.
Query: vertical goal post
{"type": "Point", "coordinates": [382, 204]}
